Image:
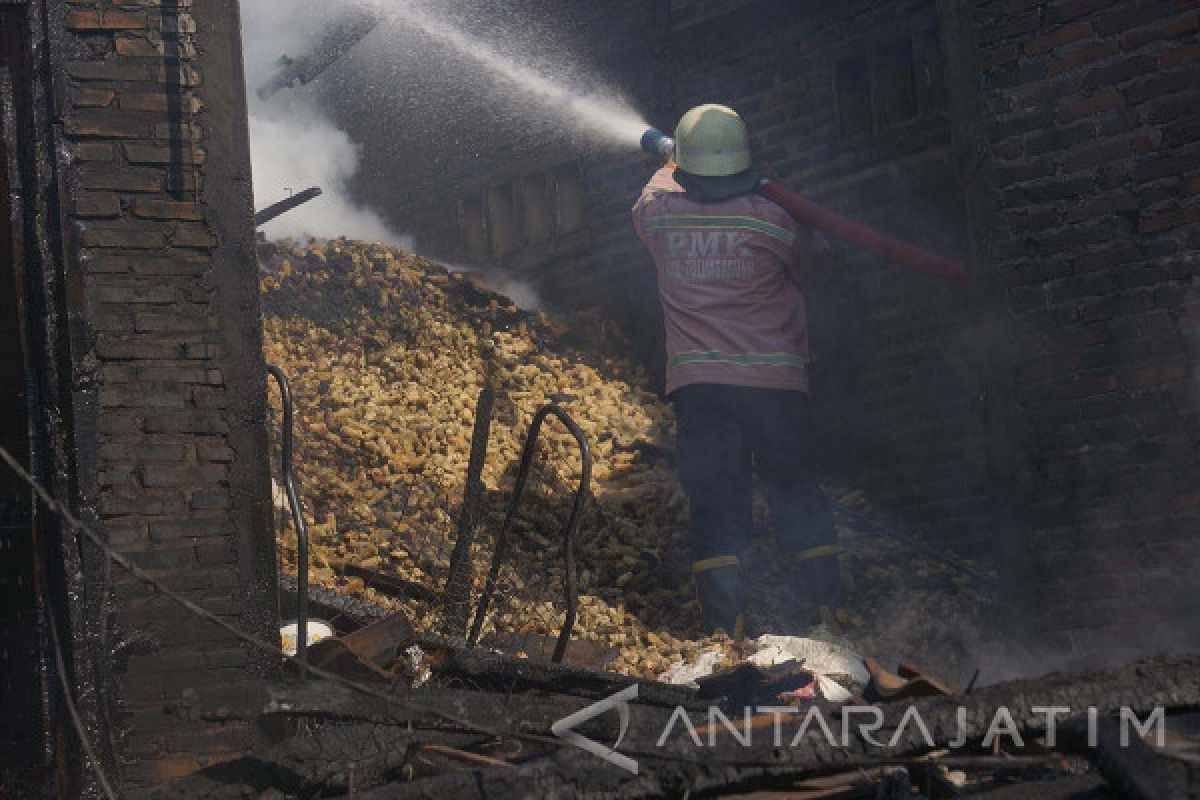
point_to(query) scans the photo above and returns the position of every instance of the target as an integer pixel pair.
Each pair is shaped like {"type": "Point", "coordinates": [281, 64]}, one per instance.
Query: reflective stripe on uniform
{"type": "Point", "coordinates": [823, 551]}
{"type": "Point", "coordinates": [741, 359]}
{"type": "Point", "coordinates": [716, 562]}
{"type": "Point", "coordinates": [706, 222]}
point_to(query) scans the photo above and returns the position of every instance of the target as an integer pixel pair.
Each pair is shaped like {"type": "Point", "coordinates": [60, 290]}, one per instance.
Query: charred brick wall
{"type": "Point", "coordinates": [1090, 126]}
{"type": "Point", "coordinates": [166, 361]}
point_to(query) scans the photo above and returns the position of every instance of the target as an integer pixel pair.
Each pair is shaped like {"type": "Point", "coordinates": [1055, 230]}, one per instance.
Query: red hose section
{"type": "Point", "coordinates": [887, 247]}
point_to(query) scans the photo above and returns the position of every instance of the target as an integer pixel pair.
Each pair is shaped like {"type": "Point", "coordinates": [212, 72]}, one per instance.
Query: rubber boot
{"type": "Point", "coordinates": [807, 540]}
{"type": "Point", "coordinates": [719, 589]}
{"type": "Point", "coordinates": [817, 576]}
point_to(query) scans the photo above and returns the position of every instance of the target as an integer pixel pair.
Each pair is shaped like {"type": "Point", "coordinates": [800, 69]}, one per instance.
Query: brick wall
{"type": "Point", "coordinates": [1091, 129]}
{"type": "Point", "coordinates": [165, 342]}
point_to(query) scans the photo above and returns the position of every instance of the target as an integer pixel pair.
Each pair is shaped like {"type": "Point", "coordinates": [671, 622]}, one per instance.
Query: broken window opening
{"type": "Point", "coordinates": [501, 221]}
{"type": "Point", "coordinates": [569, 202]}
{"type": "Point", "coordinates": [896, 99]}
{"type": "Point", "coordinates": [472, 227]}
{"type": "Point", "coordinates": [853, 92]}
{"type": "Point", "coordinates": [533, 203]}
{"type": "Point", "coordinates": [537, 208]}
{"type": "Point", "coordinates": [894, 84]}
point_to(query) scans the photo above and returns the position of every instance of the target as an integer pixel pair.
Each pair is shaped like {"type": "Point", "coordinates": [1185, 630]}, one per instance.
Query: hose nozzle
{"type": "Point", "coordinates": [657, 143]}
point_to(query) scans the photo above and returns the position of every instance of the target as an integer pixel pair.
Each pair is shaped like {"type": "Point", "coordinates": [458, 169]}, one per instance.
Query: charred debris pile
{"type": "Point", "coordinates": [387, 354]}
{"type": "Point", "coordinates": [401, 718]}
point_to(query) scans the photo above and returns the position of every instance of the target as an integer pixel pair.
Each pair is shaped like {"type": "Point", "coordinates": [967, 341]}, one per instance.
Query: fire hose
{"type": "Point", "coordinates": [856, 233]}
{"type": "Point", "coordinates": [850, 231]}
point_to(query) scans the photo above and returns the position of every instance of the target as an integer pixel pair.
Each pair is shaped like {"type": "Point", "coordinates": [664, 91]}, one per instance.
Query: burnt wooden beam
{"type": "Point", "coordinates": [563, 777]}
{"type": "Point", "coordinates": [283, 206]}
{"type": "Point", "coordinates": [1172, 682]}
{"type": "Point", "coordinates": [1140, 771]}
{"type": "Point", "coordinates": [499, 671]}
{"type": "Point", "coordinates": [528, 713]}
{"type": "Point", "coordinates": [456, 596]}
{"type": "Point", "coordinates": [725, 765]}
{"type": "Point", "coordinates": [389, 584]}
{"type": "Point", "coordinates": [331, 759]}
{"type": "Point", "coordinates": [1071, 787]}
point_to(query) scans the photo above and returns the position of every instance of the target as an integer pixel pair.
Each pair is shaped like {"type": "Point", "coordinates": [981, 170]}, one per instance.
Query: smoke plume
{"type": "Point", "coordinates": [293, 144]}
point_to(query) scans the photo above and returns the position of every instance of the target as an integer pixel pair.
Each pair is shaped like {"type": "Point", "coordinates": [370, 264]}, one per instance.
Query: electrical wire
{"type": "Point", "coordinates": [69, 701]}
{"type": "Point", "coordinates": [255, 641]}
{"type": "Point", "coordinates": [78, 525]}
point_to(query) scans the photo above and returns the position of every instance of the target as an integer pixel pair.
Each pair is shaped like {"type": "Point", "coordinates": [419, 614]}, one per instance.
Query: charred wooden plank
{"type": "Point", "coordinates": [1169, 682]}
{"type": "Point", "coordinates": [330, 760]}
{"type": "Point", "coordinates": [582, 653]}
{"type": "Point", "coordinates": [723, 764]}
{"type": "Point", "coordinates": [339, 39]}
{"type": "Point", "coordinates": [456, 611]}
{"type": "Point", "coordinates": [531, 713]}
{"type": "Point", "coordinates": [283, 206]}
{"type": "Point", "coordinates": [563, 776]}
{"type": "Point", "coordinates": [498, 671]}
{"type": "Point", "coordinates": [390, 585]}
{"type": "Point", "coordinates": [1071, 787]}
{"type": "Point", "coordinates": [1130, 763]}
{"type": "Point", "coordinates": [857, 785]}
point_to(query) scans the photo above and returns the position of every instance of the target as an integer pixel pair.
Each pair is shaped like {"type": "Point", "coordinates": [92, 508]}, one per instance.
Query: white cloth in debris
{"type": "Point", "coordinates": [832, 691]}
{"type": "Point", "coordinates": [814, 655]}
{"type": "Point", "coordinates": [279, 496]}
{"type": "Point", "coordinates": [684, 673]}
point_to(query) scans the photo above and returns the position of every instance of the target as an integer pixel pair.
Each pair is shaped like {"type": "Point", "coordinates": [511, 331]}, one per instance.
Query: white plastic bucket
{"type": "Point", "coordinates": [318, 629]}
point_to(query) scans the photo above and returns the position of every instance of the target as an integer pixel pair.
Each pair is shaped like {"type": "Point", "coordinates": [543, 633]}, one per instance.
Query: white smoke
{"type": "Point", "coordinates": [293, 144]}
{"type": "Point", "coordinates": [523, 293]}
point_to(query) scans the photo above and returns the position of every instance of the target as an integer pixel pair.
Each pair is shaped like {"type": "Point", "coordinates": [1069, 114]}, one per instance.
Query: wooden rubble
{"type": "Point", "coordinates": [387, 355]}
{"type": "Point", "coordinates": [331, 741]}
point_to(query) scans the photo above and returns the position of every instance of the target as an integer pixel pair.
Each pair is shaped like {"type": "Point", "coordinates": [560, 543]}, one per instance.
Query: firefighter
{"type": "Point", "coordinates": [733, 269]}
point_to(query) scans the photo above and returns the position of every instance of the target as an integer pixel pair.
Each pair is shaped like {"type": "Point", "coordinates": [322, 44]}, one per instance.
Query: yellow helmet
{"type": "Point", "coordinates": [712, 141]}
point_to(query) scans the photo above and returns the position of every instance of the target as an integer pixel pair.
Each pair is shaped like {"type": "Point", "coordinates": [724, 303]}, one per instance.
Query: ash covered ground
{"type": "Point", "coordinates": [387, 354]}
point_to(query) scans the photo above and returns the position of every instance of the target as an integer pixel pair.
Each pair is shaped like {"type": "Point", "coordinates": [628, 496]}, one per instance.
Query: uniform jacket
{"type": "Point", "coordinates": [729, 277]}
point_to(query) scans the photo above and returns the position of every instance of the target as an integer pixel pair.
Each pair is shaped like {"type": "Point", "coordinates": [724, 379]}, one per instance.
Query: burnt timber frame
{"type": "Point", "coordinates": [36, 221]}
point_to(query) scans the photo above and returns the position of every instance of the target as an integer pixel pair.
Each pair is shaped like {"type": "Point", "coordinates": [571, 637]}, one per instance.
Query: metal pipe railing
{"type": "Point", "coordinates": [570, 585]}
{"type": "Point", "coordinates": [289, 485]}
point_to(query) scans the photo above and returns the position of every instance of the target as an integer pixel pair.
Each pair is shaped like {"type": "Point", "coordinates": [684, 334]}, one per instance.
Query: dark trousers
{"type": "Point", "coordinates": [726, 435]}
